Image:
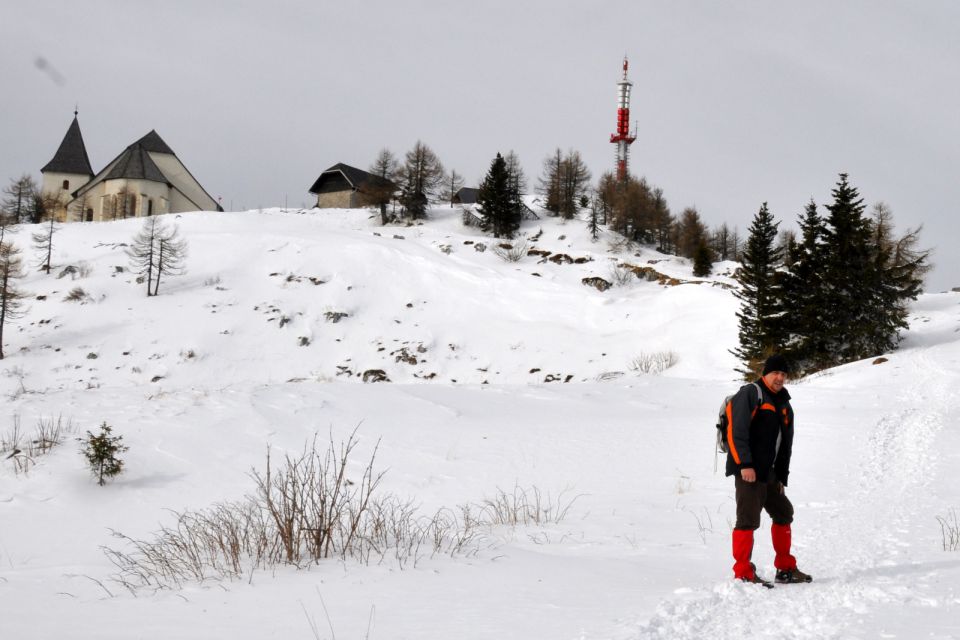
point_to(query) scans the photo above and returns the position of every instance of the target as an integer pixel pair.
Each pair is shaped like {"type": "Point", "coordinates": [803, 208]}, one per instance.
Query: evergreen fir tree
{"type": "Point", "coordinates": [759, 293]}
{"type": "Point", "coordinates": [849, 300]}
{"type": "Point", "coordinates": [593, 222]}
{"type": "Point", "coordinates": [803, 292]}
{"type": "Point", "coordinates": [498, 201]}
{"type": "Point", "coordinates": [102, 452]}
{"type": "Point", "coordinates": [702, 260]}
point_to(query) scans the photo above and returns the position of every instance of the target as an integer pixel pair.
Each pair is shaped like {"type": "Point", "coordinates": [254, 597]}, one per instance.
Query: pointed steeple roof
{"type": "Point", "coordinates": [71, 157]}
{"type": "Point", "coordinates": [154, 143]}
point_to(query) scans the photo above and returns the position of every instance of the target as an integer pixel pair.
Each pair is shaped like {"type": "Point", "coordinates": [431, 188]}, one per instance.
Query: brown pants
{"type": "Point", "coordinates": [753, 497]}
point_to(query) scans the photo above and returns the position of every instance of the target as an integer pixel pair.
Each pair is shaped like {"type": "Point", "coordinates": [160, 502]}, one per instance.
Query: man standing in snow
{"type": "Point", "coordinates": [759, 442]}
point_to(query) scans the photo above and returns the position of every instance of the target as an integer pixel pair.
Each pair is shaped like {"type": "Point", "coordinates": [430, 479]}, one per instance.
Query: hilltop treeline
{"type": "Point", "coordinates": [632, 207]}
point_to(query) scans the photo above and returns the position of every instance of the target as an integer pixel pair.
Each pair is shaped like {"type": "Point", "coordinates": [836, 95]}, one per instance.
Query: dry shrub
{"type": "Point", "coordinates": [309, 508]}
{"type": "Point", "coordinates": [656, 362]}
{"type": "Point", "coordinates": [23, 450]}
{"type": "Point", "coordinates": [512, 252]}
{"type": "Point", "coordinates": [77, 294]}
{"type": "Point", "coordinates": [950, 530]}
{"type": "Point", "coordinates": [621, 275]}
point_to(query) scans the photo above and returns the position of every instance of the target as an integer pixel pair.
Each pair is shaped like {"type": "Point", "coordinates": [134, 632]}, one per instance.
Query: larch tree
{"type": "Point", "coordinates": [9, 221]}
{"type": "Point", "coordinates": [452, 183]}
{"type": "Point", "coordinates": [18, 199]}
{"type": "Point", "coordinates": [662, 222]}
{"type": "Point", "coordinates": [721, 241]}
{"type": "Point", "coordinates": [899, 268]}
{"type": "Point", "coordinates": [381, 193]}
{"type": "Point", "coordinates": [171, 253]}
{"type": "Point", "coordinates": [549, 183]}
{"type": "Point", "coordinates": [690, 232]}
{"type": "Point", "coordinates": [421, 175]}
{"type": "Point", "coordinates": [157, 250]}
{"type": "Point", "coordinates": [11, 297]}
{"type": "Point", "coordinates": [630, 205]}
{"type": "Point", "coordinates": [574, 184]}
{"type": "Point", "coordinates": [515, 173]}
{"type": "Point", "coordinates": [43, 242]}
{"type": "Point", "coordinates": [565, 180]}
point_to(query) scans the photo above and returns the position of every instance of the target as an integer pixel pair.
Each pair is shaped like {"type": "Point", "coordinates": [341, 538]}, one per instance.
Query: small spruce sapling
{"type": "Point", "coordinates": [102, 452]}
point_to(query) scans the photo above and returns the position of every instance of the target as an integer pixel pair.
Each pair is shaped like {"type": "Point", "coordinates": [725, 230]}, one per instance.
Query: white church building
{"type": "Point", "coordinates": [147, 178]}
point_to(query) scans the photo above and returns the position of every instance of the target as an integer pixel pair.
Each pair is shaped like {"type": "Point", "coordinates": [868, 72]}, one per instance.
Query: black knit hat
{"type": "Point", "coordinates": [776, 362]}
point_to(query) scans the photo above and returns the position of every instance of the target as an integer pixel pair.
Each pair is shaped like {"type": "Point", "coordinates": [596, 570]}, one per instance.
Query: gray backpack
{"type": "Point", "coordinates": [722, 423]}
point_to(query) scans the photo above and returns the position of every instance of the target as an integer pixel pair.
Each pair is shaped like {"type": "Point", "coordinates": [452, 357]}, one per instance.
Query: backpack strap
{"type": "Point", "coordinates": [753, 413]}
{"type": "Point", "coordinates": [759, 393]}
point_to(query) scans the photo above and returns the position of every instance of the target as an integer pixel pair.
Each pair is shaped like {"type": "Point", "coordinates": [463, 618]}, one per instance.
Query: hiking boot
{"type": "Point", "coordinates": [792, 576]}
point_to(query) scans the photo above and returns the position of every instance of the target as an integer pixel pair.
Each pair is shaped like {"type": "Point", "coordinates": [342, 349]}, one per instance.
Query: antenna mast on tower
{"type": "Point", "coordinates": [623, 138]}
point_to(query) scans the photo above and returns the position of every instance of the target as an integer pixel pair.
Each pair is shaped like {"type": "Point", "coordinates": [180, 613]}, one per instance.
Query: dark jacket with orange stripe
{"type": "Point", "coordinates": [760, 432]}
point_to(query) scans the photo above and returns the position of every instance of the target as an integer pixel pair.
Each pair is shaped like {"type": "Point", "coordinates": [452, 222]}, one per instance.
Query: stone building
{"type": "Point", "coordinates": [146, 178]}
{"type": "Point", "coordinates": [345, 187]}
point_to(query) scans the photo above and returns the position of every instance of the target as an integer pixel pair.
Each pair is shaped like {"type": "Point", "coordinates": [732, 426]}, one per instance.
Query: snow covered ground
{"type": "Point", "coordinates": [502, 375]}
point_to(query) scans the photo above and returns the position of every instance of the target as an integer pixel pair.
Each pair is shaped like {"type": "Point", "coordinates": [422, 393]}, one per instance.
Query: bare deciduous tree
{"type": "Point", "coordinates": [690, 232]}
{"type": "Point", "coordinates": [421, 175]}
{"type": "Point", "coordinates": [516, 176]}
{"type": "Point", "coordinates": [11, 298]}
{"type": "Point", "coordinates": [43, 242]}
{"type": "Point", "coordinates": [8, 222]}
{"type": "Point", "coordinates": [564, 181]}
{"type": "Point", "coordinates": [721, 242]}
{"type": "Point", "coordinates": [381, 194]}
{"type": "Point", "coordinates": [18, 198]}
{"type": "Point", "coordinates": [452, 183]}
{"type": "Point", "coordinates": [157, 250]}
{"type": "Point", "coordinates": [79, 208]}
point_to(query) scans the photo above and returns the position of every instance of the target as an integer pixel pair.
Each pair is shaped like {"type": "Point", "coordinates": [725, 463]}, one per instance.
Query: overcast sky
{"type": "Point", "coordinates": [737, 103]}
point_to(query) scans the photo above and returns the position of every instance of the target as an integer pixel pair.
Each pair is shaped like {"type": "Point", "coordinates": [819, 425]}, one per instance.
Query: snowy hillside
{"type": "Point", "coordinates": [419, 303]}
{"type": "Point", "coordinates": [501, 375]}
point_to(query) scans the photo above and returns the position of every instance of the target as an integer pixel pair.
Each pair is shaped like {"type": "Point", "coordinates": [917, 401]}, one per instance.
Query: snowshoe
{"type": "Point", "coordinates": [755, 579]}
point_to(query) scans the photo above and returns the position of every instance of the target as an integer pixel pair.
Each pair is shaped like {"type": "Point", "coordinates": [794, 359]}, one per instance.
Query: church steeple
{"type": "Point", "coordinates": [71, 157]}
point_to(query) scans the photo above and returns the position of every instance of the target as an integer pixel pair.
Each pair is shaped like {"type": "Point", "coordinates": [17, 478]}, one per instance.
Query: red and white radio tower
{"type": "Point", "coordinates": [623, 138]}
